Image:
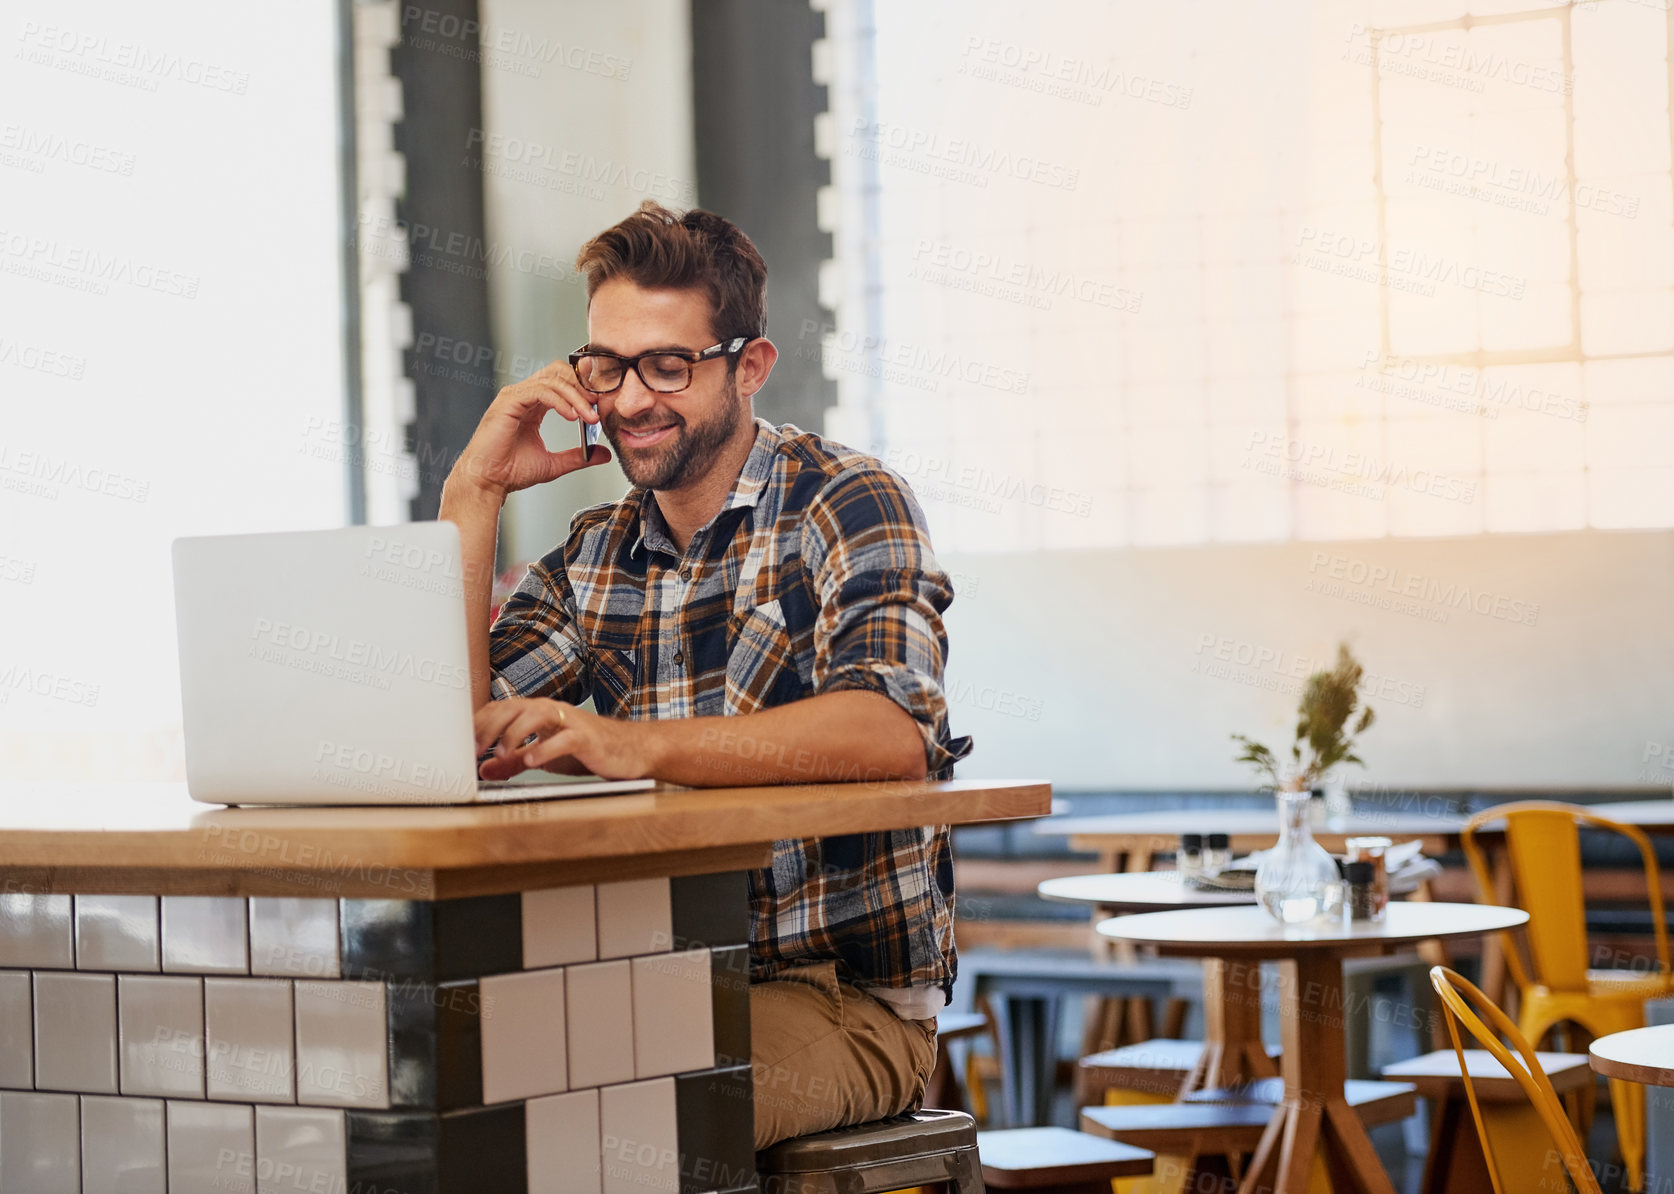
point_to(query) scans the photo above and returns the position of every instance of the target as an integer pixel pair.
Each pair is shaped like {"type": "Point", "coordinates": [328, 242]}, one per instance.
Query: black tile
{"type": "Point", "coordinates": [432, 940]}
{"type": "Point", "coordinates": [710, 910]}
{"type": "Point", "coordinates": [729, 983]}
{"type": "Point", "coordinates": [391, 1152]}
{"type": "Point", "coordinates": [424, 1152]}
{"type": "Point", "coordinates": [435, 1044]}
{"type": "Point", "coordinates": [715, 1118]}
{"type": "Point", "coordinates": [483, 1150]}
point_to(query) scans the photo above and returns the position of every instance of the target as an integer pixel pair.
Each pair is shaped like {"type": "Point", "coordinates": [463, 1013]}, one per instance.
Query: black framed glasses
{"type": "Point", "coordinates": [666, 371]}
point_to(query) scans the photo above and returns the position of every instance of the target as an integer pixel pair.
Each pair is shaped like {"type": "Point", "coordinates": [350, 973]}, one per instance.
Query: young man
{"type": "Point", "coordinates": [754, 573]}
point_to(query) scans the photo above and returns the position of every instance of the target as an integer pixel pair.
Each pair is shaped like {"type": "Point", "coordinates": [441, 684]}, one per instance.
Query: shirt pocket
{"type": "Point", "coordinates": [614, 676]}
{"type": "Point", "coordinates": [761, 664]}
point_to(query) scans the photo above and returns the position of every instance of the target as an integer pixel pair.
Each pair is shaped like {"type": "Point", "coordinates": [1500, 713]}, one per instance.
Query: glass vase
{"type": "Point", "coordinates": [1298, 881]}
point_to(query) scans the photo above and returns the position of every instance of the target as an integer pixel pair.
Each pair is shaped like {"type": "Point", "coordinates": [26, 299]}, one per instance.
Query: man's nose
{"type": "Point", "coordinates": [634, 397]}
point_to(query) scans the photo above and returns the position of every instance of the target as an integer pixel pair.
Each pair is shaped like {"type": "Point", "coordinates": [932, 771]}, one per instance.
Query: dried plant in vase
{"type": "Point", "coordinates": [1328, 703]}
{"type": "Point", "coordinates": [1297, 880]}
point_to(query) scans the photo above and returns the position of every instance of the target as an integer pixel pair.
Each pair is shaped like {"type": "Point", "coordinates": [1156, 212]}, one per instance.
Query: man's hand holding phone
{"type": "Point", "coordinates": [506, 453]}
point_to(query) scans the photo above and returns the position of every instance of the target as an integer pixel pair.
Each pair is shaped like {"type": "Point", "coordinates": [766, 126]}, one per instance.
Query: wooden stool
{"type": "Point", "coordinates": [1455, 1163]}
{"type": "Point", "coordinates": [926, 1148]}
{"type": "Point", "coordinates": [944, 1088]}
{"type": "Point", "coordinates": [1224, 1123]}
{"type": "Point", "coordinates": [1056, 1161]}
{"type": "Point", "coordinates": [1152, 1071]}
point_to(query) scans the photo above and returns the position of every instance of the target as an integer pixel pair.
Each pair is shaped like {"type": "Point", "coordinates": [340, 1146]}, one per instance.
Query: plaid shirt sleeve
{"type": "Point", "coordinates": [881, 595]}
{"type": "Point", "coordinates": [534, 647]}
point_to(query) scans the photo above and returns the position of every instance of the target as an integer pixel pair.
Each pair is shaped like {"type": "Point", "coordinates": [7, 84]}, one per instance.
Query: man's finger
{"type": "Point", "coordinates": [544, 751]}
{"type": "Point", "coordinates": [532, 720]}
{"type": "Point", "coordinates": [491, 720]}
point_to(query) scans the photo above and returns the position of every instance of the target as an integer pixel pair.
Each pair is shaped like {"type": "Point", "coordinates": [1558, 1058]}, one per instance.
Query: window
{"type": "Point", "coordinates": [1254, 276]}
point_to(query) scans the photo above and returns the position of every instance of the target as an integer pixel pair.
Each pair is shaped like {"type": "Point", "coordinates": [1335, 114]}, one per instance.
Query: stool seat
{"type": "Point", "coordinates": [1231, 1121]}
{"type": "Point", "coordinates": [923, 1148]}
{"type": "Point", "coordinates": [951, 1026]}
{"type": "Point", "coordinates": [1437, 1076]}
{"type": "Point", "coordinates": [1053, 1158]}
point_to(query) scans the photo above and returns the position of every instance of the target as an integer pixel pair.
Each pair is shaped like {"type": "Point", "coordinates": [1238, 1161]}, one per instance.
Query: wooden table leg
{"type": "Point", "coordinates": [1233, 1055]}
{"type": "Point", "coordinates": [1314, 1117]}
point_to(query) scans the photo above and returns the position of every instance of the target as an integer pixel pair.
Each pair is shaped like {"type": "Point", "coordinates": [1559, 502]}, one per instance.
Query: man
{"type": "Point", "coordinates": [756, 574]}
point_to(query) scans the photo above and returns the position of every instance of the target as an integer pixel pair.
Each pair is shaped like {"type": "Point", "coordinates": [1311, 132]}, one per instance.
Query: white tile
{"type": "Point", "coordinates": [251, 1039]}
{"type": "Point", "coordinates": [341, 1055]}
{"type": "Point", "coordinates": [635, 917]}
{"type": "Point", "coordinates": [17, 1031]}
{"type": "Point", "coordinates": [122, 1146]}
{"type": "Point", "coordinates": [599, 1019]}
{"type": "Point", "coordinates": [75, 1032]}
{"type": "Point", "coordinates": [639, 1144]}
{"type": "Point", "coordinates": [115, 932]}
{"type": "Point", "coordinates": [37, 931]}
{"type": "Point", "coordinates": [559, 927]}
{"type": "Point", "coordinates": [562, 1143]}
{"type": "Point", "coordinates": [40, 1146]}
{"type": "Point", "coordinates": [674, 1019]}
{"type": "Point", "coordinates": [205, 935]}
{"type": "Point", "coordinates": [300, 1148]}
{"type": "Point", "coordinates": [160, 1027]}
{"type": "Point", "coordinates": [212, 1148]}
{"type": "Point", "coordinates": [296, 938]}
{"type": "Point", "coordinates": [523, 1035]}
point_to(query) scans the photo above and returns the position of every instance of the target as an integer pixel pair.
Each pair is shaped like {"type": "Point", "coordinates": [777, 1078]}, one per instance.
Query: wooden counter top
{"type": "Point", "coordinates": [153, 838]}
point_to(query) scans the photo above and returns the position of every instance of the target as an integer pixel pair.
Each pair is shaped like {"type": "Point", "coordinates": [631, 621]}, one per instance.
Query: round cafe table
{"type": "Point", "coordinates": [1643, 1055]}
{"type": "Point", "coordinates": [1314, 1117]}
{"type": "Point", "coordinates": [1233, 1054]}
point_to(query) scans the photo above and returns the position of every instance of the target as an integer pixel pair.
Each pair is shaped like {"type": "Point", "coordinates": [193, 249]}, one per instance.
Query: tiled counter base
{"type": "Point", "coordinates": [573, 1040]}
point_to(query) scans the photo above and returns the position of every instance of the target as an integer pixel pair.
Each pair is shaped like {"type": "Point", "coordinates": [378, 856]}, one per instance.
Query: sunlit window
{"type": "Point", "coordinates": [1177, 274]}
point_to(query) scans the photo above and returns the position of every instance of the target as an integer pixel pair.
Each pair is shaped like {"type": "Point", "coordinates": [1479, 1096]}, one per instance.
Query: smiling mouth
{"type": "Point", "coordinates": [645, 436]}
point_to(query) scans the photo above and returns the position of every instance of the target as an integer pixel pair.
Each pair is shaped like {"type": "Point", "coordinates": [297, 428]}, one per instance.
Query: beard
{"type": "Point", "coordinates": [686, 453]}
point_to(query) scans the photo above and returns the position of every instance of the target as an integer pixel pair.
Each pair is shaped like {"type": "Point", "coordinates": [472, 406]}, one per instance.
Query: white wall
{"type": "Point", "coordinates": [1128, 669]}
{"type": "Point", "coordinates": [170, 330]}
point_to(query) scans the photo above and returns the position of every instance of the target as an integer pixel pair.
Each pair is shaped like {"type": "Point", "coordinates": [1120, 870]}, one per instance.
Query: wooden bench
{"type": "Point", "coordinates": [1455, 1163]}
{"type": "Point", "coordinates": [1056, 1161]}
{"type": "Point", "coordinates": [1210, 1125]}
{"type": "Point", "coordinates": [1151, 1071]}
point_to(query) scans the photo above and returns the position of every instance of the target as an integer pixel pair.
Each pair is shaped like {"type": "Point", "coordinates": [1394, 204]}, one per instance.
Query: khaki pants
{"type": "Point", "coordinates": [825, 1054]}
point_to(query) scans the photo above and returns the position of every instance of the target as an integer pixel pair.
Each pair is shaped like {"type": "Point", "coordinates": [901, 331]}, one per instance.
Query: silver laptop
{"type": "Point", "coordinates": [329, 667]}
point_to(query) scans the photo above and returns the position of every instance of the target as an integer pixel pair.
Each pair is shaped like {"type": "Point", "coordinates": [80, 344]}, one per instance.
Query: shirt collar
{"type": "Point", "coordinates": [652, 532]}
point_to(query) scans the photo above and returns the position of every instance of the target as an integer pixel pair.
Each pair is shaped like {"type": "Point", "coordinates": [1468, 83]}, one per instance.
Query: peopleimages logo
{"type": "Point", "coordinates": [352, 659]}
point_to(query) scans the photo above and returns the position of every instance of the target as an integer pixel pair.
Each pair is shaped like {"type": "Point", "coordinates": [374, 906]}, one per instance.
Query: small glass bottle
{"type": "Point", "coordinates": [1218, 856]}
{"type": "Point", "coordinates": [1190, 859]}
{"type": "Point", "coordinates": [1362, 891]}
{"type": "Point", "coordinates": [1373, 850]}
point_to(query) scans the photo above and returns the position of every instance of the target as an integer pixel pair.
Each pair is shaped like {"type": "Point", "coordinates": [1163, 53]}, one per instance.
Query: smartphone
{"type": "Point", "coordinates": [589, 436]}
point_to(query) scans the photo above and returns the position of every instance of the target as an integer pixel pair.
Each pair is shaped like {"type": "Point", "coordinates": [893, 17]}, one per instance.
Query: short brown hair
{"type": "Point", "coordinates": [660, 249]}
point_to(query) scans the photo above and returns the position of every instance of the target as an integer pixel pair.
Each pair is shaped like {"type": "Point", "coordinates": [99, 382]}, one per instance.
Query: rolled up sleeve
{"type": "Point", "coordinates": [534, 646]}
{"type": "Point", "coordinates": [882, 596]}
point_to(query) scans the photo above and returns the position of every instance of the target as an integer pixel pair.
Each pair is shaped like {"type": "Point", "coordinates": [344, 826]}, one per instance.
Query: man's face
{"type": "Point", "coordinates": [664, 441]}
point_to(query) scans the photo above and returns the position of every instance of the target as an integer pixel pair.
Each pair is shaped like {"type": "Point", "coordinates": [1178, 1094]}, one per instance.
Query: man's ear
{"type": "Point", "coordinates": [754, 364]}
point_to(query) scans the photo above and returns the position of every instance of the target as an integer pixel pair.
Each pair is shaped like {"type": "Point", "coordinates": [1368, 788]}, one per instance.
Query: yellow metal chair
{"type": "Point", "coordinates": [1516, 1156]}
{"type": "Point", "coordinates": [1543, 849]}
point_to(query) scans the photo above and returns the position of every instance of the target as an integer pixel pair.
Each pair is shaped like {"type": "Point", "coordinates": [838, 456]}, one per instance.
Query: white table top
{"type": "Point", "coordinates": [1170, 823]}
{"type": "Point", "coordinates": [1638, 1055]}
{"type": "Point", "coordinates": [1149, 890]}
{"type": "Point", "coordinates": [1251, 932]}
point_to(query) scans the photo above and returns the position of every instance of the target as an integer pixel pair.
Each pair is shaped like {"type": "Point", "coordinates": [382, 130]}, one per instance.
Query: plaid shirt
{"type": "Point", "coordinates": [816, 576]}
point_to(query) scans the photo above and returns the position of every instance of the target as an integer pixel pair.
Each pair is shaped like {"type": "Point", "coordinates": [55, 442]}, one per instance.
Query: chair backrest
{"type": "Point", "coordinates": [1457, 995]}
{"type": "Point", "coordinates": [1543, 845]}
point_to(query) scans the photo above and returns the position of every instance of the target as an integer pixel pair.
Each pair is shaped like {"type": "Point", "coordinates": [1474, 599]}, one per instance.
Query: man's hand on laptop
{"type": "Point", "coordinates": [570, 741]}
{"type": "Point", "coordinates": [506, 452]}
